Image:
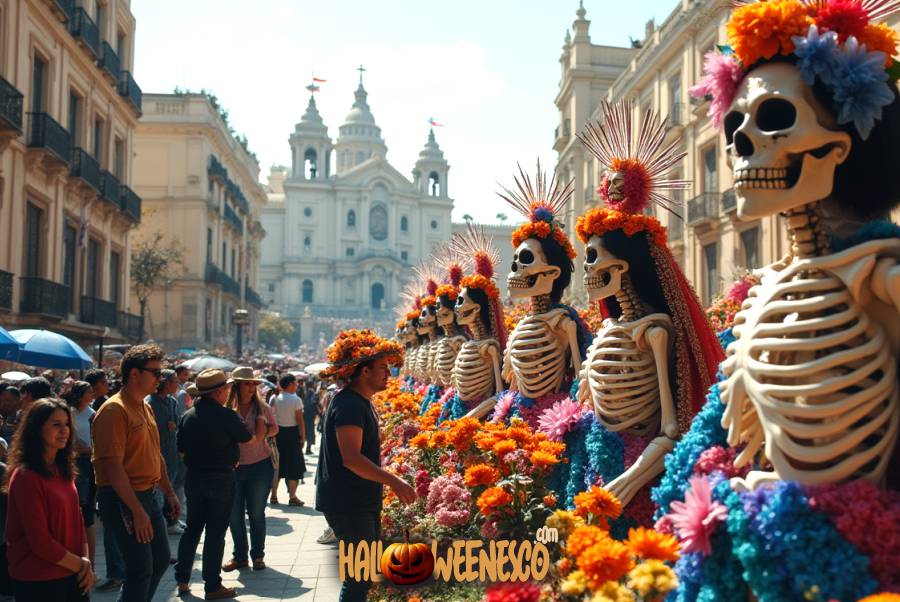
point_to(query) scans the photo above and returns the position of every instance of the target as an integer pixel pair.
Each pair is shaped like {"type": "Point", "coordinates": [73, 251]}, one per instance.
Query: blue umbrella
{"type": "Point", "coordinates": [47, 349]}
{"type": "Point", "coordinates": [9, 347]}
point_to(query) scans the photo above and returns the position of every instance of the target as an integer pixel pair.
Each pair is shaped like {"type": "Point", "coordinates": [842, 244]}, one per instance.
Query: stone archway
{"type": "Point", "coordinates": [377, 296]}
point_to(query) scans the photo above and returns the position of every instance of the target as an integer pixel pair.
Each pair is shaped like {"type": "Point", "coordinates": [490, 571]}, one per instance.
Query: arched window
{"type": "Point", "coordinates": [434, 184]}
{"type": "Point", "coordinates": [360, 157]}
{"type": "Point", "coordinates": [310, 164]}
{"type": "Point", "coordinates": [404, 224]}
{"type": "Point", "coordinates": [307, 242]}
{"type": "Point", "coordinates": [351, 219]}
{"type": "Point", "coordinates": [307, 291]}
{"type": "Point", "coordinates": [377, 296]}
{"type": "Point", "coordinates": [378, 222]}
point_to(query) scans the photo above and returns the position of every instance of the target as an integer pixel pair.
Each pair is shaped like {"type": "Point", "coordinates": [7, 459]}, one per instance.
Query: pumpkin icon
{"type": "Point", "coordinates": [407, 563]}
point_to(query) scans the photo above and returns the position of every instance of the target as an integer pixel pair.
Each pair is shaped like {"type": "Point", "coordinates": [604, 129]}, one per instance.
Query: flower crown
{"type": "Point", "coordinates": [602, 220]}
{"type": "Point", "coordinates": [353, 347]}
{"type": "Point", "coordinates": [428, 300]}
{"type": "Point", "coordinates": [836, 42]}
{"type": "Point", "coordinates": [540, 202]}
{"type": "Point", "coordinates": [447, 290]}
{"type": "Point", "coordinates": [482, 257]}
{"type": "Point", "coordinates": [414, 314]}
{"type": "Point", "coordinates": [401, 324]}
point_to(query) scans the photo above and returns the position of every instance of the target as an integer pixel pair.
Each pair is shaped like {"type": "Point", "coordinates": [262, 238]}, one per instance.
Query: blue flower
{"type": "Point", "coordinates": [860, 86]}
{"type": "Point", "coordinates": [817, 54]}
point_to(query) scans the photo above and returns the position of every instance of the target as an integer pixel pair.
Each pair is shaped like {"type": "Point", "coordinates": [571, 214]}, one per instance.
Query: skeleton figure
{"type": "Point", "coordinates": [811, 384]}
{"type": "Point", "coordinates": [428, 334]}
{"type": "Point", "coordinates": [449, 345]}
{"type": "Point", "coordinates": [410, 339]}
{"type": "Point", "coordinates": [476, 373]}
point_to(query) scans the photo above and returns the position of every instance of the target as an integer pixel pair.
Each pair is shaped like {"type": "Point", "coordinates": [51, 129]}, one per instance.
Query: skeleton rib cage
{"type": "Point", "coordinates": [473, 374]}
{"type": "Point", "coordinates": [812, 378]}
{"type": "Point", "coordinates": [447, 350]}
{"type": "Point", "coordinates": [538, 356]}
{"type": "Point", "coordinates": [423, 361]}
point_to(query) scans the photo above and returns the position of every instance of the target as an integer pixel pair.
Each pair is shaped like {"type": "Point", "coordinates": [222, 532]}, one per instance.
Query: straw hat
{"type": "Point", "coordinates": [244, 374]}
{"type": "Point", "coordinates": [191, 389]}
{"type": "Point", "coordinates": [209, 380]}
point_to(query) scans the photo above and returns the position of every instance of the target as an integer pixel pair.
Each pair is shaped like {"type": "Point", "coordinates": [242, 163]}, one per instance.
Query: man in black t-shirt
{"type": "Point", "coordinates": [349, 478]}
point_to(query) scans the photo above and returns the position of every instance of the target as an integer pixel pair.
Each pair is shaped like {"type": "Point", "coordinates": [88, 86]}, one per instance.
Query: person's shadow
{"type": "Point", "coordinates": [268, 583]}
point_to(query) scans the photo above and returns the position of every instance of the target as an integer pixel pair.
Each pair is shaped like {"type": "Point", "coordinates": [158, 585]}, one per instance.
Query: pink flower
{"type": "Point", "coordinates": [531, 414]}
{"type": "Point", "coordinates": [503, 406]}
{"type": "Point", "coordinates": [513, 592]}
{"type": "Point", "coordinates": [519, 462]}
{"type": "Point", "coordinates": [448, 393]}
{"type": "Point", "coordinates": [695, 518]}
{"type": "Point", "coordinates": [449, 500]}
{"type": "Point", "coordinates": [489, 529]}
{"type": "Point", "coordinates": [422, 483]}
{"type": "Point", "coordinates": [739, 289]}
{"type": "Point", "coordinates": [717, 458]}
{"type": "Point", "coordinates": [664, 525]}
{"type": "Point", "coordinates": [558, 419]}
{"type": "Point", "coordinates": [721, 76]}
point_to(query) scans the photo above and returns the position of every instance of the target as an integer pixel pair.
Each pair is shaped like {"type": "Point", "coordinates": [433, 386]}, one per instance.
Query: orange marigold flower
{"type": "Point", "coordinates": [447, 290]}
{"type": "Point", "coordinates": [542, 229]}
{"type": "Point", "coordinates": [543, 460]}
{"type": "Point", "coordinates": [438, 439]}
{"type": "Point", "coordinates": [652, 545]}
{"type": "Point", "coordinates": [550, 500]}
{"type": "Point", "coordinates": [413, 315]}
{"type": "Point", "coordinates": [481, 474]}
{"type": "Point", "coordinates": [881, 37]}
{"type": "Point", "coordinates": [552, 447]}
{"type": "Point", "coordinates": [493, 497]}
{"type": "Point", "coordinates": [482, 283]}
{"type": "Point", "coordinates": [597, 501]}
{"type": "Point", "coordinates": [885, 597]}
{"type": "Point", "coordinates": [520, 434]}
{"type": "Point", "coordinates": [602, 220]}
{"type": "Point", "coordinates": [583, 537]}
{"type": "Point", "coordinates": [606, 560]}
{"type": "Point", "coordinates": [763, 29]}
{"type": "Point", "coordinates": [504, 446]}
{"type": "Point", "coordinates": [420, 441]}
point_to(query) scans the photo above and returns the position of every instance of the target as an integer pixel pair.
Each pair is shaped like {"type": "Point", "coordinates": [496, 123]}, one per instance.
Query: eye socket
{"type": "Point", "coordinates": [526, 257]}
{"type": "Point", "coordinates": [591, 255]}
{"type": "Point", "coordinates": [775, 114]}
{"type": "Point", "coordinates": [731, 123]}
{"type": "Point", "coordinates": [459, 301]}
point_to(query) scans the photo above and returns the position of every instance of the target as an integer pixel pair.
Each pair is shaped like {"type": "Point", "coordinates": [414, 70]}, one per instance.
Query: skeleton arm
{"type": "Point", "coordinates": [506, 372]}
{"type": "Point", "coordinates": [491, 352]}
{"type": "Point", "coordinates": [886, 281]}
{"type": "Point", "coordinates": [571, 330]}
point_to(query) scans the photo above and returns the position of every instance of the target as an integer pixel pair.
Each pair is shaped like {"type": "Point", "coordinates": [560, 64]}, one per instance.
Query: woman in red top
{"type": "Point", "coordinates": [46, 544]}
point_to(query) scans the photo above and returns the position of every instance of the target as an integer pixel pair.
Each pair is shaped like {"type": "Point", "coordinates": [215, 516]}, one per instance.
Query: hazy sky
{"type": "Point", "coordinates": [488, 69]}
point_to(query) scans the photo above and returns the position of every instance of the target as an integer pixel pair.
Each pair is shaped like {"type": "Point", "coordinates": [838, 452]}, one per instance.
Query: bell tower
{"type": "Point", "coordinates": [310, 146]}
{"type": "Point", "coordinates": [430, 172]}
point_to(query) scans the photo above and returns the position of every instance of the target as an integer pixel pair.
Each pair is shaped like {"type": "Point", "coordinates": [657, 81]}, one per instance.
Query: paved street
{"type": "Point", "coordinates": [298, 568]}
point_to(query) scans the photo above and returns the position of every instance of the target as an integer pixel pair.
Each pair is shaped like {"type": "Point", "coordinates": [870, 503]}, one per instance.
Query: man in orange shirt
{"type": "Point", "coordinates": [129, 469]}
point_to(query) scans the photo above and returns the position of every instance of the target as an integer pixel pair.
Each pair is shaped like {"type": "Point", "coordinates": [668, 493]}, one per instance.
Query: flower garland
{"type": "Point", "coordinates": [352, 347]}
{"type": "Point", "coordinates": [447, 290]}
{"type": "Point", "coordinates": [432, 395]}
{"type": "Point", "coordinates": [543, 229]}
{"type": "Point", "coordinates": [482, 283]}
{"type": "Point", "coordinates": [601, 220]}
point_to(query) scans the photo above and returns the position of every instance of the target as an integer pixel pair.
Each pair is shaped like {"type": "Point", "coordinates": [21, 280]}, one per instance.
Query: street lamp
{"type": "Point", "coordinates": [240, 318]}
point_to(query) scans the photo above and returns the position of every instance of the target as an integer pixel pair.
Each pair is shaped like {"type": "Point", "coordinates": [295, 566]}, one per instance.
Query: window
{"type": "Point", "coordinates": [98, 139]}
{"type": "Point", "coordinates": [232, 263]}
{"type": "Point", "coordinates": [404, 224]}
{"type": "Point", "coordinates": [34, 218]}
{"type": "Point", "coordinates": [115, 262]}
{"type": "Point", "coordinates": [434, 224]}
{"type": "Point", "coordinates": [675, 116]}
{"type": "Point", "coordinates": [207, 320]}
{"type": "Point", "coordinates": [307, 293]}
{"type": "Point", "coordinates": [378, 223]}
{"type": "Point", "coordinates": [119, 159]}
{"type": "Point", "coordinates": [710, 175]}
{"type": "Point", "coordinates": [74, 117]}
{"type": "Point", "coordinates": [38, 84]}
{"type": "Point", "coordinates": [70, 236]}
{"type": "Point", "coordinates": [307, 242]}
{"type": "Point", "coordinates": [92, 277]}
{"type": "Point", "coordinates": [209, 245]}
{"type": "Point", "coordinates": [434, 184]}
{"type": "Point", "coordinates": [750, 243]}
{"type": "Point", "coordinates": [351, 219]}
{"type": "Point", "coordinates": [271, 287]}
{"type": "Point", "coordinates": [211, 188]}
{"type": "Point", "coordinates": [711, 261]}
{"type": "Point", "coordinates": [378, 296]}
{"type": "Point", "coordinates": [310, 164]}
{"type": "Point", "coordinates": [224, 255]}
{"type": "Point", "coordinates": [404, 256]}
{"type": "Point", "coordinates": [307, 211]}
{"type": "Point", "coordinates": [350, 252]}
{"type": "Point", "coordinates": [360, 157]}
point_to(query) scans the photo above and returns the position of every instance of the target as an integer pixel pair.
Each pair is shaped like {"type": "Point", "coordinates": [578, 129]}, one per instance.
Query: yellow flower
{"type": "Point", "coordinates": [652, 545]}
{"type": "Point", "coordinates": [613, 592]}
{"type": "Point", "coordinates": [574, 584]}
{"type": "Point", "coordinates": [652, 579]}
{"type": "Point", "coordinates": [564, 522]}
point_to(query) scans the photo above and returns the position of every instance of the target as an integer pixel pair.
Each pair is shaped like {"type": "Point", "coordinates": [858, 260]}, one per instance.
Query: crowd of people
{"type": "Point", "coordinates": [140, 448]}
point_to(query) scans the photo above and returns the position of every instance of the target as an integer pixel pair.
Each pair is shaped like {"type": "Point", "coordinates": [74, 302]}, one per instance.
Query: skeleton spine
{"type": "Point", "coordinates": [632, 306]}
{"type": "Point", "coordinates": [805, 229]}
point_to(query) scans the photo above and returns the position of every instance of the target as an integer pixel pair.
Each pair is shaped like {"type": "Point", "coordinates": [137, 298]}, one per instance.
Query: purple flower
{"type": "Point", "coordinates": [860, 86]}
{"type": "Point", "coordinates": [543, 214]}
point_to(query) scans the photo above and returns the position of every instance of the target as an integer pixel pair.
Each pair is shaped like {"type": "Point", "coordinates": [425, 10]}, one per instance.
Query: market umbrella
{"type": "Point", "coordinates": [9, 347]}
{"type": "Point", "coordinates": [207, 362]}
{"type": "Point", "coordinates": [47, 349]}
{"type": "Point", "coordinates": [275, 356]}
{"type": "Point", "coordinates": [314, 369]}
{"type": "Point", "coordinates": [15, 376]}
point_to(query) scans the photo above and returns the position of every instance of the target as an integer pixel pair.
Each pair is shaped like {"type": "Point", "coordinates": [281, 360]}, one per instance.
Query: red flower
{"type": "Point", "coordinates": [844, 17]}
{"type": "Point", "coordinates": [513, 592]}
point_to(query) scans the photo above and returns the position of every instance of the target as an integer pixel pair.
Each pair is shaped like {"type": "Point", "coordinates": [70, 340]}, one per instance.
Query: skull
{"type": "Point", "coordinates": [616, 190]}
{"type": "Point", "coordinates": [427, 320]}
{"type": "Point", "coordinates": [445, 315]}
{"type": "Point", "coordinates": [602, 270]}
{"type": "Point", "coordinates": [531, 275]}
{"type": "Point", "coordinates": [782, 144]}
{"type": "Point", "coordinates": [467, 310]}
{"type": "Point", "coordinates": [410, 336]}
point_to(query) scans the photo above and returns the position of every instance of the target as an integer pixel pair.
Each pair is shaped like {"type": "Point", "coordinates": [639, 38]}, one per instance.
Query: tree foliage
{"type": "Point", "coordinates": [153, 261]}
{"type": "Point", "coordinates": [274, 330]}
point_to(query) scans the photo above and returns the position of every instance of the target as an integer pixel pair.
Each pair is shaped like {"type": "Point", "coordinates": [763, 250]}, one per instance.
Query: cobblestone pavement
{"type": "Point", "coordinates": [298, 568]}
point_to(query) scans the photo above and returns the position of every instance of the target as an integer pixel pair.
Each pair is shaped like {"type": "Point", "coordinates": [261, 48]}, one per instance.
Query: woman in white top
{"type": "Point", "coordinates": [79, 399]}
{"type": "Point", "coordinates": [291, 435]}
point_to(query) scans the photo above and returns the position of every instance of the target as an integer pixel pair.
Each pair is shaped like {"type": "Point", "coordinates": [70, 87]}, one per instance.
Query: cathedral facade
{"type": "Point", "coordinates": [344, 227]}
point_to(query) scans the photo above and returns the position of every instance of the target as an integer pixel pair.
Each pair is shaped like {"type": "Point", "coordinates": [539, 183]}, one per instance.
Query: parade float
{"type": "Point", "coordinates": [785, 486]}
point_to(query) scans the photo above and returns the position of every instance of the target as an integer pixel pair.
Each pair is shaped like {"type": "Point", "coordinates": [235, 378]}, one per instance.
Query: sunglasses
{"type": "Point", "coordinates": [157, 372]}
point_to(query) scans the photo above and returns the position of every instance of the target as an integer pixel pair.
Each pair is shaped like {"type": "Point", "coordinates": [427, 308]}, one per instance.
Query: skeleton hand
{"type": "Point", "coordinates": [646, 468]}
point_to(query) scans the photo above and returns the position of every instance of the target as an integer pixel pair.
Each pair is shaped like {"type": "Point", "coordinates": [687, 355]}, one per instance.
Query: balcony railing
{"type": "Point", "coordinates": [44, 297]}
{"type": "Point", "coordinates": [98, 312]}
{"type": "Point", "coordinates": [703, 207]}
{"type": "Point", "coordinates": [10, 107]}
{"type": "Point", "coordinates": [6, 290]}
{"type": "Point", "coordinates": [676, 115]}
{"type": "Point", "coordinates": [85, 31]}
{"type": "Point", "coordinates": [217, 169]}
{"type": "Point", "coordinates": [216, 276]}
{"type": "Point", "coordinates": [109, 61]}
{"type": "Point", "coordinates": [252, 296]}
{"type": "Point", "coordinates": [131, 203]}
{"type": "Point", "coordinates": [85, 168]}
{"type": "Point", "coordinates": [64, 9]}
{"type": "Point", "coordinates": [129, 89]}
{"type": "Point", "coordinates": [46, 134]}
{"type": "Point", "coordinates": [109, 188]}
{"type": "Point", "coordinates": [130, 326]}
{"type": "Point", "coordinates": [232, 218]}
{"type": "Point", "coordinates": [729, 201]}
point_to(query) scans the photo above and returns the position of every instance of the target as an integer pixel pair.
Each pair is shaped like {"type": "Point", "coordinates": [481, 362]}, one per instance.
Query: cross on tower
{"type": "Point", "coordinates": [361, 70]}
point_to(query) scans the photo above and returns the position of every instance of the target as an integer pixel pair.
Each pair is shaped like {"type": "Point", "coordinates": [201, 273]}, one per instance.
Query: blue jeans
{"type": "Point", "coordinates": [115, 564]}
{"type": "Point", "coordinates": [354, 528]}
{"type": "Point", "coordinates": [145, 563]}
{"type": "Point", "coordinates": [251, 488]}
{"type": "Point", "coordinates": [209, 499]}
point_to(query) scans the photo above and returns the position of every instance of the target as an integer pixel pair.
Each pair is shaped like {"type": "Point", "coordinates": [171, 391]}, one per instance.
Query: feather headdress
{"type": "Point", "coordinates": [541, 202]}
{"type": "Point", "coordinates": [482, 258]}
{"type": "Point", "coordinates": [636, 166]}
{"type": "Point", "coordinates": [451, 262]}
{"type": "Point", "coordinates": [428, 278]}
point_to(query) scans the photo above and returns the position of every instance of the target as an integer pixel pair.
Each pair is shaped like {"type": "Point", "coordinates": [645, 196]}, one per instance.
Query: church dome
{"type": "Point", "coordinates": [360, 123]}
{"type": "Point", "coordinates": [431, 151]}
{"type": "Point", "coordinates": [311, 122]}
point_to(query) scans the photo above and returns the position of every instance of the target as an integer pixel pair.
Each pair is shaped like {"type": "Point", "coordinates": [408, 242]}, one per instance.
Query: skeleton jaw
{"type": "Point", "coordinates": [531, 285]}
{"type": "Point", "coordinates": [603, 281]}
{"type": "Point", "coordinates": [467, 314]}
{"type": "Point", "coordinates": [444, 317]}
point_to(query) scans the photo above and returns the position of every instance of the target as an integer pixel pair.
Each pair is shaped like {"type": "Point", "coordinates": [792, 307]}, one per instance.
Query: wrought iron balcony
{"type": "Point", "coordinates": [47, 134]}
{"type": "Point", "coordinates": [109, 188]}
{"type": "Point", "coordinates": [44, 297]}
{"type": "Point", "coordinates": [216, 169]}
{"type": "Point", "coordinates": [232, 218]}
{"type": "Point", "coordinates": [212, 273]}
{"type": "Point", "coordinates": [85, 31]}
{"type": "Point", "coordinates": [216, 276]}
{"type": "Point", "coordinates": [130, 326]}
{"type": "Point", "coordinates": [676, 115]}
{"type": "Point", "coordinates": [109, 61]}
{"type": "Point", "coordinates": [729, 201]}
{"type": "Point", "coordinates": [131, 203]}
{"type": "Point", "coordinates": [63, 9]}
{"type": "Point", "coordinates": [10, 108]}
{"type": "Point", "coordinates": [85, 168]}
{"type": "Point", "coordinates": [129, 89]}
{"type": "Point", "coordinates": [99, 312]}
{"type": "Point", "coordinates": [252, 296]}
{"type": "Point", "coordinates": [6, 290]}
{"type": "Point", "coordinates": [703, 207]}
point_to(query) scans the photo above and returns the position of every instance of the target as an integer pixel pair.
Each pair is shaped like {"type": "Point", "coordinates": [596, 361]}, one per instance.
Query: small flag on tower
{"type": "Point", "coordinates": [319, 80]}
{"type": "Point", "coordinates": [434, 123]}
